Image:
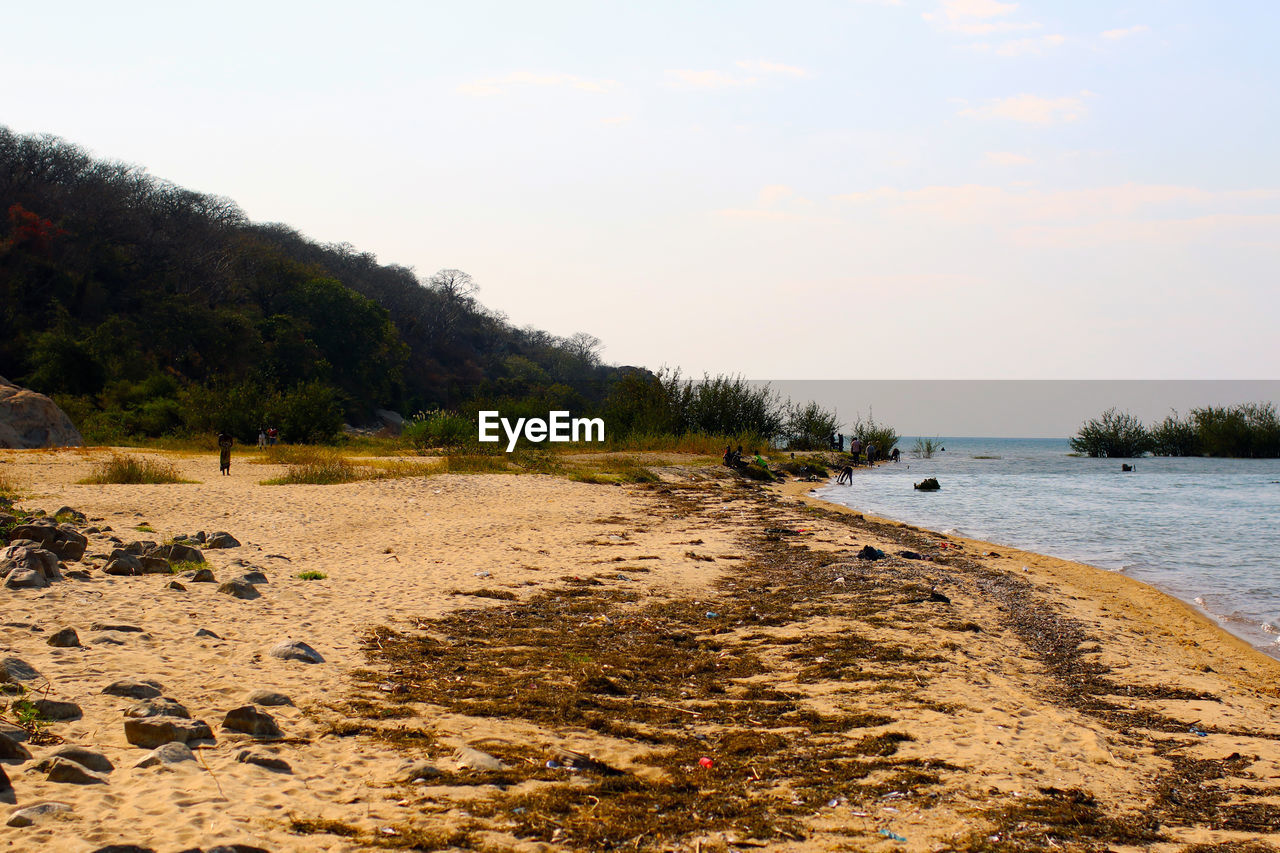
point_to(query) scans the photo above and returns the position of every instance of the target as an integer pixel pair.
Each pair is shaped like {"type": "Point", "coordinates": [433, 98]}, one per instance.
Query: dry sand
{"type": "Point", "coordinates": [997, 711]}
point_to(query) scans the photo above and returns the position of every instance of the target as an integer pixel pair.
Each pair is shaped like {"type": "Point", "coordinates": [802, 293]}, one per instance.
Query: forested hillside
{"type": "Point", "coordinates": [148, 309]}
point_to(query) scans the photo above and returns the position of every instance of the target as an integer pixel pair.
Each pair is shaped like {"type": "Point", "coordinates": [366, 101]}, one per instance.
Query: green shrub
{"type": "Point", "coordinates": [133, 470]}
{"type": "Point", "coordinates": [884, 437]}
{"type": "Point", "coordinates": [810, 427]}
{"type": "Point", "coordinates": [447, 430]}
{"type": "Point", "coordinates": [1115, 434]}
{"type": "Point", "coordinates": [924, 448]}
{"type": "Point", "coordinates": [312, 576]}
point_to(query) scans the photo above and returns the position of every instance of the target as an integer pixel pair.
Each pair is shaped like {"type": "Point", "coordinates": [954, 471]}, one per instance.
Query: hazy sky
{"type": "Point", "coordinates": [846, 189]}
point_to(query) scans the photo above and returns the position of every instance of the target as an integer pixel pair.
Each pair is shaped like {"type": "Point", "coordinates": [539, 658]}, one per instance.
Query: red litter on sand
{"type": "Point", "coordinates": [706, 762]}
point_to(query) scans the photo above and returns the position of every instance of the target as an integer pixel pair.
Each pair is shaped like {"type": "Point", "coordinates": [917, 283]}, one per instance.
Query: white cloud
{"type": "Point", "coordinates": [975, 17]}
{"type": "Point", "coordinates": [490, 86]}
{"type": "Point", "coordinates": [622, 119]}
{"type": "Point", "coordinates": [773, 68]}
{"type": "Point", "coordinates": [1030, 46]}
{"type": "Point", "coordinates": [1032, 109]}
{"type": "Point", "coordinates": [1007, 158]}
{"type": "Point", "coordinates": [757, 71]}
{"type": "Point", "coordinates": [1126, 32]}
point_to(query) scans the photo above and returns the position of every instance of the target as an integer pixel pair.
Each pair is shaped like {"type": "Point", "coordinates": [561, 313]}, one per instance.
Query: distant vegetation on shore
{"type": "Point", "coordinates": [147, 310]}
{"type": "Point", "coordinates": [1246, 430]}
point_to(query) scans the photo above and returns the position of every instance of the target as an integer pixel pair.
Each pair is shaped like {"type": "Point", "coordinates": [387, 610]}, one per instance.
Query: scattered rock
{"type": "Point", "coordinates": [131, 688]}
{"type": "Point", "coordinates": [65, 770]}
{"type": "Point", "coordinates": [113, 626]}
{"type": "Point", "coordinates": [154, 566]}
{"type": "Point", "coordinates": [412, 771]}
{"type": "Point", "coordinates": [108, 638]}
{"type": "Point", "coordinates": [32, 815]}
{"type": "Point", "coordinates": [76, 574]}
{"type": "Point", "coordinates": [270, 762]}
{"type": "Point", "coordinates": [295, 650]}
{"type": "Point", "coordinates": [473, 759]}
{"type": "Point", "coordinates": [249, 720]}
{"type": "Point", "coordinates": [12, 750]}
{"type": "Point", "coordinates": [253, 577]}
{"type": "Point", "coordinates": [6, 789]}
{"type": "Point", "coordinates": [240, 589]}
{"type": "Point", "coordinates": [221, 539]}
{"type": "Point", "coordinates": [269, 698]}
{"type": "Point", "coordinates": [125, 567]}
{"type": "Point", "coordinates": [205, 632]}
{"type": "Point", "coordinates": [167, 753]}
{"type": "Point", "coordinates": [52, 709]}
{"type": "Point", "coordinates": [95, 761]}
{"type": "Point", "coordinates": [200, 576]}
{"type": "Point", "coordinates": [150, 732]}
{"type": "Point", "coordinates": [158, 707]}
{"type": "Point", "coordinates": [175, 585]}
{"type": "Point", "coordinates": [16, 669]}
{"type": "Point", "coordinates": [179, 553]}
{"type": "Point", "coordinates": [25, 579]}
{"type": "Point", "coordinates": [67, 638]}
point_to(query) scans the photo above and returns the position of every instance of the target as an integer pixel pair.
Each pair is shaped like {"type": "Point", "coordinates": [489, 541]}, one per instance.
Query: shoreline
{"type": "Point", "coordinates": [1129, 592]}
{"type": "Point", "coordinates": [945, 698]}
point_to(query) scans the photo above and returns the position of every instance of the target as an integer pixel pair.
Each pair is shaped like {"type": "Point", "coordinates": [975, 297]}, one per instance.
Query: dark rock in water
{"type": "Point", "coordinates": [869, 553]}
{"type": "Point", "coordinates": [11, 750]}
{"type": "Point", "coordinates": [270, 762]}
{"type": "Point", "coordinates": [158, 707]}
{"type": "Point", "coordinates": [115, 626]}
{"type": "Point", "coordinates": [167, 753]}
{"type": "Point", "coordinates": [32, 815]}
{"type": "Point", "coordinates": [131, 688]}
{"type": "Point", "coordinates": [16, 669]}
{"type": "Point", "coordinates": [221, 539]}
{"type": "Point", "coordinates": [52, 709]}
{"type": "Point", "coordinates": [95, 761]}
{"type": "Point", "coordinates": [928, 484]}
{"type": "Point", "coordinates": [65, 770]}
{"type": "Point", "coordinates": [249, 720]}
{"type": "Point", "coordinates": [67, 638]}
{"type": "Point", "coordinates": [240, 589]}
{"type": "Point", "coordinates": [295, 650]}
{"type": "Point", "coordinates": [269, 698]}
{"type": "Point", "coordinates": [150, 732]}
{"type": "Point", "coordinates": [910, 555]}
{"type": "Point", "coordinates": [1124, 466]}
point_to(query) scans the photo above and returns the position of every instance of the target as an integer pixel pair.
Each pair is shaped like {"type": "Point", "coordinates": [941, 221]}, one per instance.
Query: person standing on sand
{"type": "Point", "coordinates": [224, 453]}
{"type": "Point", "coordinates": [262, 438]}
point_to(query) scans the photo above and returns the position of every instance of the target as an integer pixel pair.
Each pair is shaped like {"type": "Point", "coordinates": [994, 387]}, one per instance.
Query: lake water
{"type": "Point", "coordinates": [1204, 530]}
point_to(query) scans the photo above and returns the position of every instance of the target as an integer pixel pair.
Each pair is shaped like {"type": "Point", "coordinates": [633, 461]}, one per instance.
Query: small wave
{"type": "Point", "coordinates": [954, 531]}
{"type": "Point", "coordinates": [1199, 599]}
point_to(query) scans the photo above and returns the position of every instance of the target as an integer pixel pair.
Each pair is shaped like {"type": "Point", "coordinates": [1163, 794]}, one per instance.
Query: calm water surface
{"type": "Point", "coordinates": [1204, 530]}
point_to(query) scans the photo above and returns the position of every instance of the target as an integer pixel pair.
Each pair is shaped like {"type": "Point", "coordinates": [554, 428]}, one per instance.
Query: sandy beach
{"type": "Point", "coordinates": [529, 663]}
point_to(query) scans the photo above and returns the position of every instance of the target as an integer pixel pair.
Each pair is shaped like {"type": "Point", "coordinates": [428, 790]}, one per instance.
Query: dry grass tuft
{"type": "Point", "coordinates": [133, 470]}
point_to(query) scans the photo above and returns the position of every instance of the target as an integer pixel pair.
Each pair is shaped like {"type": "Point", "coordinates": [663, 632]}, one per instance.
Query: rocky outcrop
{"type": "Point", "coordinates": [28, 419]}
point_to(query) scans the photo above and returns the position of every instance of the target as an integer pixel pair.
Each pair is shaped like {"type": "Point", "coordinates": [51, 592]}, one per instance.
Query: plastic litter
{"type": "Point", "coordinates": [706, 762]}
{"type": "Point", "coordinates": [552, 764]}
{"type": "Point", "coordinates": [483, 574]}
{"type": "Point", "coordinates": [711, 614]}
{"type": "Point", "coordinates": [889, 834]}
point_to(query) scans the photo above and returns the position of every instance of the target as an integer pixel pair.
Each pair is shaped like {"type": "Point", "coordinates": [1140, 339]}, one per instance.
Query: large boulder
{"type": "Point", "coordinates": [28, 419]}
